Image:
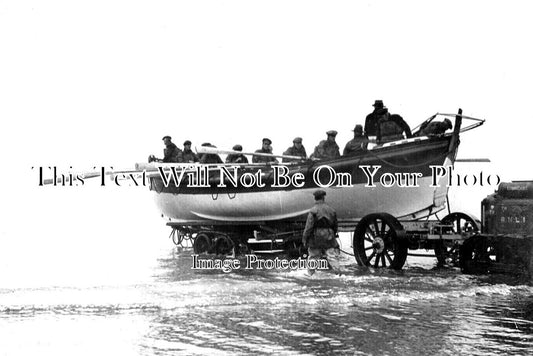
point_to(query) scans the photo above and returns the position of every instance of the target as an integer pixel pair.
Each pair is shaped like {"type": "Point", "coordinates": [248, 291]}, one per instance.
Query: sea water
{"type": "Point", "coordinates": [86, 278]}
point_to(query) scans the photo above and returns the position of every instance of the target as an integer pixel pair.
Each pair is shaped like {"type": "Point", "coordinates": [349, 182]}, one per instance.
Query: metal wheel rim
{"type": "Point", "coordinates": [379, 243]}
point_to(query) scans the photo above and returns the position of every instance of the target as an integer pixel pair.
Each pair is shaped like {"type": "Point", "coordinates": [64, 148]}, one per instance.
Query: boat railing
{"type": "Point", "coordinates": [372, 145]}
{"type": "Point", "coordinates": [476, 122]}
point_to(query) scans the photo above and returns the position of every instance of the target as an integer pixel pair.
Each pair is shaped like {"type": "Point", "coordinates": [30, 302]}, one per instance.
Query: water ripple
{"type": "Point", "coordinates": [365, 311]}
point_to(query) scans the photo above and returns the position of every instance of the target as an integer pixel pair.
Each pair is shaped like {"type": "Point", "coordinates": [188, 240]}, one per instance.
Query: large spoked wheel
{"type": "Point", "coordinates": [478, 254]}
{"type": "Point", "coordinates": [448, 252]}
{"type": "Point", "coordinates": [378, 241]}
{"type": "Point", "coordinates": [202, 243]}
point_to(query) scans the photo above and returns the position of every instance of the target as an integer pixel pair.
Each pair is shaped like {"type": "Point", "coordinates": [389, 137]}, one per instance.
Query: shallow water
{"type": "Point", "coordinates": [177, 310]}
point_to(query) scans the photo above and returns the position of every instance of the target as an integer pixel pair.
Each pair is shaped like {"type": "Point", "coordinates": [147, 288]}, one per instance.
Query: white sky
{"type": "Point", "coordinates": [100, 82]}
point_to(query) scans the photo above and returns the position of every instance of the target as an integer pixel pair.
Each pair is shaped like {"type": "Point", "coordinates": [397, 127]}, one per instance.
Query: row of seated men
{"type": "Point", "coordinates": [326, 149]}
{"type": "Point", "coordinates": [380, 123]}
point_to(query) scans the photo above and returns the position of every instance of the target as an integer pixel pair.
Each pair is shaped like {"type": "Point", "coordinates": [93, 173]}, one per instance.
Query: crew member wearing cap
{"type": "Point", "coordinates": [357, 144]}
{"type": "Point", "coordinates": [297, 149]}
{"type": "Point", "coordinates": [188, 155]}
{"type": "Point", "coordinates": [327, 148]}
{"type": "Point", "coordinates": [210, 158]}
{"type": "Point", "coordinates": [172, 154]}
{"type": "Point", "coordinates": [236, 157]}
{"type": "Point", "coordinates": [320, 232]}
{"type": "Point", "coordinates": [371, 121]}
{"type": "Point", "coordinates": [265, 149]}
{"type": "Point", "coordinates": [435, 128]}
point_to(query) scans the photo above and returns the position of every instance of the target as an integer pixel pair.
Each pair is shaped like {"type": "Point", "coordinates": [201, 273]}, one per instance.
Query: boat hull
{"type": "Point", "coordinates": [213, 204]}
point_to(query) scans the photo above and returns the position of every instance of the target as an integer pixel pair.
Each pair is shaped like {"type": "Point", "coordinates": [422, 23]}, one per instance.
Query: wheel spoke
{"type": "Point", "coordinates": [375, 242]}
{"type": "Point", "coordinates": [388, 257]}
{"type": "Point", "coordinates": [371, 256]}
{"type": "Point", "coordinates": [383, 227]}
{"type": "Point", "coordinates": [376, 228]}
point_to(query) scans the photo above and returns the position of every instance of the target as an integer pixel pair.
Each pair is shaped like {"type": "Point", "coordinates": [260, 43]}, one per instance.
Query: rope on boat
{"type": "Point", "coordinates": [347, 253]}
{"type": "Point", "coordinates": [340, 247]}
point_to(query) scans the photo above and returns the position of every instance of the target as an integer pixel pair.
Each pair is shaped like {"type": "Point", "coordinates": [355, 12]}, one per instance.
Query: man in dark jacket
{"type": "Point", "coordinates": [320, 232]}
{"type": "Point", "coordinates": [210, 158]}
{"type": "Point", "coordinates": [172, 154]}
{"type": "Point", "coordinates": [297, 149]}
{"type": "Point", "coordinates": [357, 144]}
{"type": "Point", "coordinates": [188, 155]}
{"type": "Point", "coordinates": [435, 128]}
{"type": "Point", "coordinates": [236, 157]}
{"type": "Point", "coordinates": [327, 148]}
{"type": "Point", "coordinates": [371, 121]}
{"type": "Point", "coordinates": [266, 149]}
{"type": "Point", "coordinates": [391, 127]}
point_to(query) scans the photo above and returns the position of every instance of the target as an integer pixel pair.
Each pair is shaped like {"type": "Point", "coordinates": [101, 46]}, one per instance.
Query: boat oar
{"type": "Point", "coordinates": [59, 180]}
{"type": "Point", "coordinates": [478, 160]}
{"type": "Point", "coordinates": [89, 175]}
{"type": "Point", "coordinates": [214, 150]}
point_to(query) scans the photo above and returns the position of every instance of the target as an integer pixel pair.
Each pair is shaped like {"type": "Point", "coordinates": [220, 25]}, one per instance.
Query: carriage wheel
{"type": "Point", "coordinates": [462, 224]}
{"type": "Point", "coordinates": [378, 241]}
{"type": "Point", "coordinates": [477, 255]}
{"type": "Point", "coordinates": [224, 245]}
{"type": "Point", "coordinates": [202, 243]}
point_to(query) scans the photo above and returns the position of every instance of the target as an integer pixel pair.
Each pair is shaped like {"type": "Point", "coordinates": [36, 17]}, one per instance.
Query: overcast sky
{"type": "Point", "coordinates": [100, 82]}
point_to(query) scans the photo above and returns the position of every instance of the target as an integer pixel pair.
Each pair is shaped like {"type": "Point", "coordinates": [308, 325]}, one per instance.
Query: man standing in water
{"type": "Point", "coordinates": [320, 232]}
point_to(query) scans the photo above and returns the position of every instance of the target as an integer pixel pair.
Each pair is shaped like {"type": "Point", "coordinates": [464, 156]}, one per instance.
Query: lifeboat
{"type": "Point", "coordinates": [404, 178]}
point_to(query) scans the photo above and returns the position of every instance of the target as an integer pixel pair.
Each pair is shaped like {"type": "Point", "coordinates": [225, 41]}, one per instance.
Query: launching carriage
{"type": "Point", "coordinates": [387, 195]}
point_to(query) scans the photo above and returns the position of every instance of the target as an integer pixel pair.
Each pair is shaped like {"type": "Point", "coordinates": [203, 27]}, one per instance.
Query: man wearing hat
{"type": "Point", "coordinates": [328, 148]}
{"type": "Point", "coordinates": [297, 149]}
{"type": "Point", "coordinates": [236, 157]}
{"type": "Point", "coordinates": [266, 149]}
{"type": "Point", "coordinates": [320, 232]}
{"type": "Point", "coordinates": [371, 121]}
{"type": "Point", "coordinates": [209, 158]}
{"type": "Point", "coordinates": [188, 155]}
{"type": "Point", "coordinates": [435, 128]}
{"type": "Point", "coordinates": [357, 144]}
{"type": "Point", "coordinates": [172, 154]}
